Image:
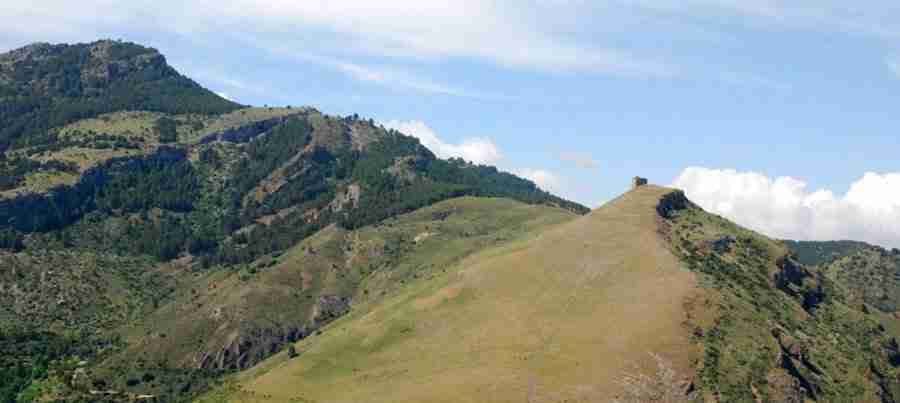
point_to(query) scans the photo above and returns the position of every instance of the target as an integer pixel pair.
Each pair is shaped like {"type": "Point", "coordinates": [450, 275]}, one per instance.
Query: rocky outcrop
{"type": "Point", "coordinates": [246, 347]}
{"type": "Point", "coordinates": [797, 281]}
{"type": "Point", "coordinates": [671, 202]}
{"type": "Point", "coordinates": [245, 133]}
{"type": "Point", "coordinates": [349, 197]}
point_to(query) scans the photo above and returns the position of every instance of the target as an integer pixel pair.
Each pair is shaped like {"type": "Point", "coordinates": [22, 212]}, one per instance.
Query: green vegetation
{"type": "Point", "coordinates": [871, 274]}
{"type": "Point", "coordinates": [814, 253]}
{"type": "Point", "coordinates": [129, 196]}
{"type": "Point", "coordinates": [779, 331]}
{"type": "Point", "coordinates": [166, 129]}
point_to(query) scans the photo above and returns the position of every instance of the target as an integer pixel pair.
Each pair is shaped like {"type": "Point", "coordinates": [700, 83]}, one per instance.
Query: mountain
{"type": "Point", "coordinates": [154, 236]}
{"type": "Point", "coordinates": [161, 243]}
{"type": "Point", "coordinates": [43, 86]}
{"type": "Point", "coordinates": [647, 298]}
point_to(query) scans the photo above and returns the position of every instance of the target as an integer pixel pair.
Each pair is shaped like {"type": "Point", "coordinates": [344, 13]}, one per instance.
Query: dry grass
{"type": "Point", "coordinates": [664, 385]}
{"type": "Point", "coordinates": [558, 317]}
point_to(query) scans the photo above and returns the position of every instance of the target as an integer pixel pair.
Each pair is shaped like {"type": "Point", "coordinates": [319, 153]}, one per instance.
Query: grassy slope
{"type": "Point", "coordinates": [137, 127]}
{"type": "Point", "coordinates": [556, 317]}
{"type": "Point", "coordinates": [254, 309]}
{"type": "Point", "coordinates": [78, 290]}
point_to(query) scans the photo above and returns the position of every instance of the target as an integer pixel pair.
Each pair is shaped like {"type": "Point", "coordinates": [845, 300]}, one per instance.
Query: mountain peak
{"type": "Point", "coordinates": [49, 85]}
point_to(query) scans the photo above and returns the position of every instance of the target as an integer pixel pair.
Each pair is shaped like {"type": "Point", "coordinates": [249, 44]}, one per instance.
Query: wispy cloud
{"type": "Point", "coordinates": [880, 18]}
{"type": "Point", "coordinates": [501, 33]}
{"type": "Point", "coordinates": [385, 76]}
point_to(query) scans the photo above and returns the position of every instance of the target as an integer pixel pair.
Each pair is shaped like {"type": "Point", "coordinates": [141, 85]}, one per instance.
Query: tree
{"type": "Point", "coordinates": [167, 129]}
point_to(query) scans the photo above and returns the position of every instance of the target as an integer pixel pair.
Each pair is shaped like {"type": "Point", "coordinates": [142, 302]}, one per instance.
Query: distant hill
{"type": "Point", "coordinates": [43, 86]}
{"type": "Point", "coordinates": [822, 252]}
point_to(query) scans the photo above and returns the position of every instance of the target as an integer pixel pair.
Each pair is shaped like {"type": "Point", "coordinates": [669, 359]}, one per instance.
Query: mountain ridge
{"type": "Point", "coordinates": [157, 193]}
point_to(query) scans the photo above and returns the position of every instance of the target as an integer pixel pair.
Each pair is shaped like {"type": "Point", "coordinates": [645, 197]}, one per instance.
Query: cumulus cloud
{"type": "Point", "coordinates": [580, 159]}
{"type": "Point", "coordinates": [545, 180]}
{"type": "Point", "coordinates": [479, 150]}
{"type": "Point", "coordinates": [784, 207]}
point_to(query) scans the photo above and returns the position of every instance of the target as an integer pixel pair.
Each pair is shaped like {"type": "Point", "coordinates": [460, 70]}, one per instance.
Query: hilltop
{"type": "Point", "coordinates": [648, 297]}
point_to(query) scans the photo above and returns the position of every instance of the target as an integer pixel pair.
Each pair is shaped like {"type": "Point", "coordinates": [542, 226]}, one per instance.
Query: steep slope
{"type": "Point", "coordinates": [648, 298]}
{"type": "Point", "coordinates": [869, 274]}
{"type": "Point", "coordinates": [772, 329]}
{"type": "Point", "coordinates": [230, 319]}
{"type": "Point", "coordinates": [233, 319]}
{"type": "Point", "coordinates": [556, 318]}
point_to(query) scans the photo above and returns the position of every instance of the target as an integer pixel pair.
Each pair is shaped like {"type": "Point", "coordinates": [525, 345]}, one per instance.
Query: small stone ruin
{"type": "Point", "coordinates": [637, 182]}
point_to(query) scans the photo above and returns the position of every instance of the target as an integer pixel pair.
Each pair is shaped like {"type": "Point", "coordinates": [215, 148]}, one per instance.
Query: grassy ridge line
{"type": "Point", "coordinates": [525, 321]}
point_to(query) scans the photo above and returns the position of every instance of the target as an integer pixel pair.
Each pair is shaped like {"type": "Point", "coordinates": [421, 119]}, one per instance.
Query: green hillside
{"type": "Point", "coordinates": [152, 233]}
{"type": "Point", "coordinates": [648, 298]}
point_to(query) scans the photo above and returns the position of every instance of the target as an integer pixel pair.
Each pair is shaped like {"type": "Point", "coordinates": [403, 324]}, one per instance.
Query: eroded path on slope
{"type": "Point", "coordinates": [558, 318]}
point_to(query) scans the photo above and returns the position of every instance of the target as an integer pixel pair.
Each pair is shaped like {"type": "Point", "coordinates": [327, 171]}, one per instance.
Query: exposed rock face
{"type": "Point", "coordinates": [100, 63]}
{"type": "Point", "coordinates": [798, 281]}
{"type": "Point", "coordinates": [671, 202]}
{"type": "Point", "coordinates": [243, 134]}
{"type": "Point", "coordinates": [244, 348]}
{"type": "Point", "coordinates": [349, 198]}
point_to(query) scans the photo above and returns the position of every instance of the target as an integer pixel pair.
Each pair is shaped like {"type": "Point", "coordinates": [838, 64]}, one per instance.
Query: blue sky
{"type": "Point", "coordinates": [577, 95]}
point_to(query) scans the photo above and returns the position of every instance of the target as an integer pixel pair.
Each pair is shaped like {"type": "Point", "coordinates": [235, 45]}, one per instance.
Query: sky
{"type": "Point", "coordinates": [779, 115]}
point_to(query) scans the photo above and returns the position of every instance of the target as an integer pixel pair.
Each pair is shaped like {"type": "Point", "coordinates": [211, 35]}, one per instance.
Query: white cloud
{"type": "Point", "coordinates": [879, 18]}
{"type": "Point", "coordinates": [479, 150]}
{"type": "Point", "coordinates": [893, 65]}
{"type": "Point", "coordinates": [505, 34]}
{"type": "Point", "coordinates": [225, 95]}
{"type": "Point", "coordinates": [545, 180]}
{"type": "Point", "coordinates": [388, 77]}
{"type": "Point", "coordinates": [784, 208]}
{"type": "Point", "coordinates": [580, 159]}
